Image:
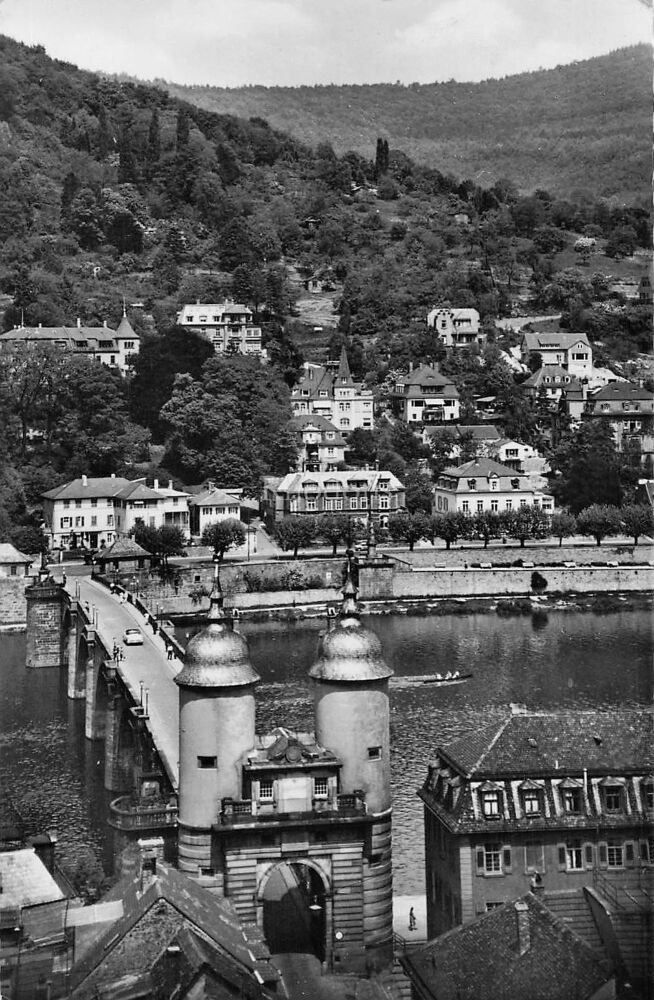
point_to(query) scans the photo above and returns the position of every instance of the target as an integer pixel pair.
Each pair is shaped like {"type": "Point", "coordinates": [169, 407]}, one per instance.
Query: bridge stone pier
{"type": "Point", "coordinates": [130, 699]}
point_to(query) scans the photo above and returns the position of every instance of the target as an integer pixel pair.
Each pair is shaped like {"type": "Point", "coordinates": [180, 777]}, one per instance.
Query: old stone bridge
{"type": "Point", "coordinates": [131, 699]}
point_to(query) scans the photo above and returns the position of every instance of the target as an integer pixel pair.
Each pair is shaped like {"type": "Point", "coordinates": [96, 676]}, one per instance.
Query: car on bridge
{"type": "Point", "coordinates": [133, 637]}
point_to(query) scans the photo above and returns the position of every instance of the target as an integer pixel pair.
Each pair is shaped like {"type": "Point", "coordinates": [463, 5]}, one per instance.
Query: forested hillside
{"type": "Point", "coordinates": [116, 192]}
{"type": "Point", "coordinates": [577, 130]}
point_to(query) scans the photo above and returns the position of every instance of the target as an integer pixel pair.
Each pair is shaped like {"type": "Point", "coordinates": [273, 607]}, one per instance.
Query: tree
{"type": "Point", "coordinates": [418, 491]}
{"type": "Point", "coordinates": [526, 522]}
{"type": "Point", "coordinates": [600, 521]}
{"type": "Point", "coordinates": [589, 469]}
{"type": "Point", "coordinates": [410, 528]}
{"type": "Point", "coordinates": [154, 142]}
{"type": "Point", "coordinates": [450, 526]}
{"type": "Point", "coordinates": [562, 525]}
{"type": "Point", "coordinates": [487, 524]}
{"type": "Point", "coordinates": [336, 528]}
{"type": "Point", "coordinates": [223, 536]}
{"type": "Point", "coordinates": [168, 540]}
{"type": "Point", "coordinates": [638, 519]}
{"type": "Point", "coordinates": [295, 532]}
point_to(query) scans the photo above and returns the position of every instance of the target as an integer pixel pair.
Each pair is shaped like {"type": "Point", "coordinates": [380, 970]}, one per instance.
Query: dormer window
{"type": "Point", "coordinates": [612, 794]}
{"type": "Point", "coordinates": [515, 484]}
{"type": "Point", "coordinates": [472, 484]}
{"type": "Point", "coordinates": [491, 803]}
{"type": "Point", "coordinates": [532, 799]}
{"type": "Point", "coordinates": [648, 794]}
{"type": "Point", "coordinates": [570, 797]}
{"type": "Point", "coordinates": [494, 483]}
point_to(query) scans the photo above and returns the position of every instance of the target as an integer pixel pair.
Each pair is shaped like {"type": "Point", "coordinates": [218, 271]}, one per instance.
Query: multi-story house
{"type": "Point", "coordinates": [629, 410]}
{"type": "Point", "coordinates": [456, 327]}
{"type": "Point", "coordinates": [486, 485]}
{"type": "Point", "coordinates": [559, 799]}
{"type": "Point", "coordinates": [92, 512]}
{"type": "Point", "coordinates": [359, 493]}
{"type": "Point", "coordinates": [550, 381]}
{"type": "Point", "coordinates": [333, 395]}
{"type": "Point", "coordinates": [571, 351]}
{"type": "Point", "coordinates": [113, 348]}
{"type": "Point", "coordinates": [227, 325]}
{"type": "Point", "coordinates": [321, 446]}
{"type": "Point", "coordinates": [213, 504]}
{"type": "Point", "coordinates": [425, 396]}
{"type": "Point", "coordinates": [520, 457]}
{"type": "Point", "coordinates": [467, 439]}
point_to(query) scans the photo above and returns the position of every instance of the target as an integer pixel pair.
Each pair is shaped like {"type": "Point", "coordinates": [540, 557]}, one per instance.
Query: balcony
{"type": "Point", "coordinates": [132, 813]}
{"type": "Point", "coordinates": [247, 811]}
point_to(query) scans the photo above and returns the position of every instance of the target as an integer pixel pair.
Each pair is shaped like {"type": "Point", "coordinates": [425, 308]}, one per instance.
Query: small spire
{"type": "Point", "coordinates": [216, 613]}
{"type": "Point", "coordinates": [344, 367]}
{"type": "Point", "coordinates": [349, 607]}
{"type": "Point", "coordinates": [124, 308]}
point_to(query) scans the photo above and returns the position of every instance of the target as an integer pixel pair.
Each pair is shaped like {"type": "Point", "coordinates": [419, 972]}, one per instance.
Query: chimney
{"type": "Point", "coordinates": [79, 323]}
{"type": "Point", "coordinates": [170, 484]}
{"type": "Point", "coordinates": [104, 323]}
{"type": "Point", "coordinates": [155, 485]}
{"type": "Point", "coordinates": [85, 480]}
{"type": "Point", "coordinates": [151, 854]}
{"type": "Point", "coordinates": [44, 848]}
{"type": "Point", "coordinates": [410, 366]}
{"type": "Point", "coordinates": [522, 919]}
{"type": "Point", "coordinates": [113, 475]}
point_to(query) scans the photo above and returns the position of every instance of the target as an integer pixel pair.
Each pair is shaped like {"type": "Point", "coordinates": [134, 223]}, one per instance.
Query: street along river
{"type": "Point", "coordinates": [564, 659]}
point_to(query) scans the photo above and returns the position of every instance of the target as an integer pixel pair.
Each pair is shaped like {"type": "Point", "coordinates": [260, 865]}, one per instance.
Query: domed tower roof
{"type": "Point", "coordinates": [348, 651]}
{"type": "Point", "coordinates": [218, 656]}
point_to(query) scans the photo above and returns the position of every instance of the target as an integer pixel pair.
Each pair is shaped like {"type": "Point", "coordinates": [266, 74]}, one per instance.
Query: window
{"type": "Point", "coordinates": [64, 522]}
{"type": "Point", "coordinates": [129, 345]}
{"type": "Point", "coordinates": [79, 522]}
{"type": "Point", "coordinates": [94, 502]}
{"type": "Point", "coordinates": [344, 423]}
{"type": "Point", "coordinates": [363, 503]}
{"type": "Point", "coordinates": [531, 801]}
{"type": "Point", "coordinates": [509, 505]}
{"type": "Point", "coordinates": [573, 858]}
{"type": "Point", "coordinates": [94, 521]}
{"type": "Point", "coordinates": [494, 483]}
{"type": "Point", "coordinates": [472, 484]}
{"type": "Point", "coordinates": [491, 804]}
{"type": "Point", "coordinates": [534, 858]}
{"type": "Point", "coordinates": [353, 503]}
{"type": "Point", "coordinates": [492, 858]}
{"type": "Point", "coordinates": [66, 504]}
{"type": "Point", "coordinates": [515, 484]}
{"type": "Point", "coordinates": [571, 799]}
{"type": "Point", "coordinates": [374, 753]}
{"type": "Point", "coordinates": [383, 503]}
{"type": "Point", "coordinates": [480, 506]}
{"type": "Point", "coordinates": [311, 503]}
{"type": "Point", "coordinates": [465, 506]}
{"type": "Point", "coordinates": [13, 570]}
{"type": "Point", "coordinates": [614, 853]}
{"type": "Point", "coordinates": [78, 503]}
{"type": "Point", "coordinates": [612, 795]}
{"type": "Point", "coordinates": [207, 763]}
{"type": "Point", "coordinates": [266, 789]}
{"type": "Point", "coordinates": [648, 794]}
{"type": "Point", "coordinates": [320, 787]}
{"type": "Point", "coordinates": [494, 506]}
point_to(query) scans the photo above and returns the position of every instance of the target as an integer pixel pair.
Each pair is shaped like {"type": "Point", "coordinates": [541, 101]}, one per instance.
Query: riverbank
{"type": "Point", "coordinates": [597, 603]}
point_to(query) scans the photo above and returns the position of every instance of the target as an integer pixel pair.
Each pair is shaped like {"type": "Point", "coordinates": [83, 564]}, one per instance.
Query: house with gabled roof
{"type": "Point", "coordinates": [565, 796]}
{"type": "Point", "coordinates": [484, 484]}
{"type": "Point", "coordinates": [425, 396]}
{"type": "Point", "coordinates": [91, 512]}
{"type": "Point", "coordinates": [321, 445]}
{"type": "Point", "coordinates": [456, 327]}
{"type": "Point", "coordinates": [628, 408]}
{"type": "Point", "coordinates": [171, 937]}
{"type": "Point", "coordinates": [333, 394]}
{"type": "Point", "coordinates": [227, 325]}
{"type": "Point", "coordinates": [516, 951]}
{"type": "Point", "coordinates": [113, 348]}
{"type": "Point", "coordinates": [571, 351]}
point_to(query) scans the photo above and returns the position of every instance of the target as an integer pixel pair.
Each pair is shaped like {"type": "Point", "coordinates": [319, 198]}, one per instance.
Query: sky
{"type": "Point", "coordinates": [232, 43]}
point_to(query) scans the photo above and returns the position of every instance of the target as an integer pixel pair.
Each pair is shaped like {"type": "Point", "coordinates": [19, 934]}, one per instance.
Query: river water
{"type": "Point", "coordinates": [566, 659]}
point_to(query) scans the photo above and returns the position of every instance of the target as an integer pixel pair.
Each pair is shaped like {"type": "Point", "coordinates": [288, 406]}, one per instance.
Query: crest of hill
{"type": "Point", "coordinates": [583, 127]}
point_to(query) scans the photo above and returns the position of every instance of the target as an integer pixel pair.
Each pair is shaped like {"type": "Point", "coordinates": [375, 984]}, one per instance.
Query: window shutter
{"type": "Point", "coordinates": [506, 859]}
{"type": "Point", "coordinates": [480, 860]}
{"type": "Point", "coordinates": [588, 854]}
{"type": "Point", "coordinates": [562, 857]}
{"type": "Point", "coordinates": [629, 852]}
{"type": "Point", "coordinates": [603, 855]}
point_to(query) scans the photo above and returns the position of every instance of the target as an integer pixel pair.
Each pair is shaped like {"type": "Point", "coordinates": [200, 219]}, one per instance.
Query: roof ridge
{"type": "Point", "coordinates": [492, 743]}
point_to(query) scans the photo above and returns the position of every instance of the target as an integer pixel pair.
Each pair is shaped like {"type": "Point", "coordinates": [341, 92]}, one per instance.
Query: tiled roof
{"type": "Point", "coordinates": [106, 486]}
{"type": "Point", "coordinates": [482, 959]}
{"type": "Point", "coordinates": [555, 372]}
{"type": "Point", "coordinates": [425, 377]}
{"type": "Point", "coordinates": [545, 743]}
{"type": "Point", "coordinates": [303, 420]}
{"type": "Point", "coordinates": [622, 390]}
{"type": "Point", "coordinates": [123, 548]}
{"type": "Point", "coordinates": [9, 554]}
{"type": "Point", "coordinates": [137, 490]}
{"type": "Point", "coordinates": [25, 880]}
{"type": "Point", "coordinates": [215, 497]}
{"type": "Point", "coordinates": [295, 482]}
{"type": "Point", "coordinates": [92, 335]}
{"type": "Point", "coordinates": [134, 943]}
{"type": "Point", "coordinates": [534, 341]}
{"type": "Point", "coordinates": [483, 467]}
{"type": "Point", "coordinates": [479, 432]}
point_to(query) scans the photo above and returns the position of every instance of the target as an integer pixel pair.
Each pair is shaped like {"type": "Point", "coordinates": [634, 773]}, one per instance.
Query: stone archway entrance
{"type": "Point", "coordinates": [293, 898]}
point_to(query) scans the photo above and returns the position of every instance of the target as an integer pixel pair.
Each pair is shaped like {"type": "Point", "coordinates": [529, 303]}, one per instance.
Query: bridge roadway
{"type": "Point", "coordinates": [146, 664]}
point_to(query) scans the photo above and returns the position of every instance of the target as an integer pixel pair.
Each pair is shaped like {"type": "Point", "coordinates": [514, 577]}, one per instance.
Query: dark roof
{"type": "Point", "coordinates": [483, 959]}
{"type": "Point", "coordinates": [425, 376]}
{"type": "Point", "coordinates": [302, 420]}
{"type": "Point", "coordinates": [123, 548]}
{"type": "Point", "coordinates": [344, 367]}
{"type": "Point", "coordinates": [134, 942]}
{"type": "Point", "coordinates": [484, 467]}
{"type": "Point", "coordinates": [479, 432]}
{"type": "Point", "coordinates": [549, 742]}
{"type": "Point", "coordinates": [622, 390]}
{"type": "Point", "coordinates": [76, 489]}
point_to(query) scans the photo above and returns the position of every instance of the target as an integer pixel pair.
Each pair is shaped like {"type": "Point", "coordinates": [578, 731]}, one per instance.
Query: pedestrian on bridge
{"type": "Point", "coordinates": [169, 650]}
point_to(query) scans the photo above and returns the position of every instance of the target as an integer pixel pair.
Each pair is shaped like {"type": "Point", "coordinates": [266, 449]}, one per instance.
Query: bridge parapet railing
{"type": "Point", "coordinates": [126, 814]}
{"type": "Point", "coordinates": [235, 811]}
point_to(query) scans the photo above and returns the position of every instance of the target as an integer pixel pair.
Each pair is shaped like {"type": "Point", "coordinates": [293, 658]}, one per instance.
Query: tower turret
{"type": "Point", "coordinates": [352, 719]}
{"type": "Point", "coordinates": [216, 727]}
